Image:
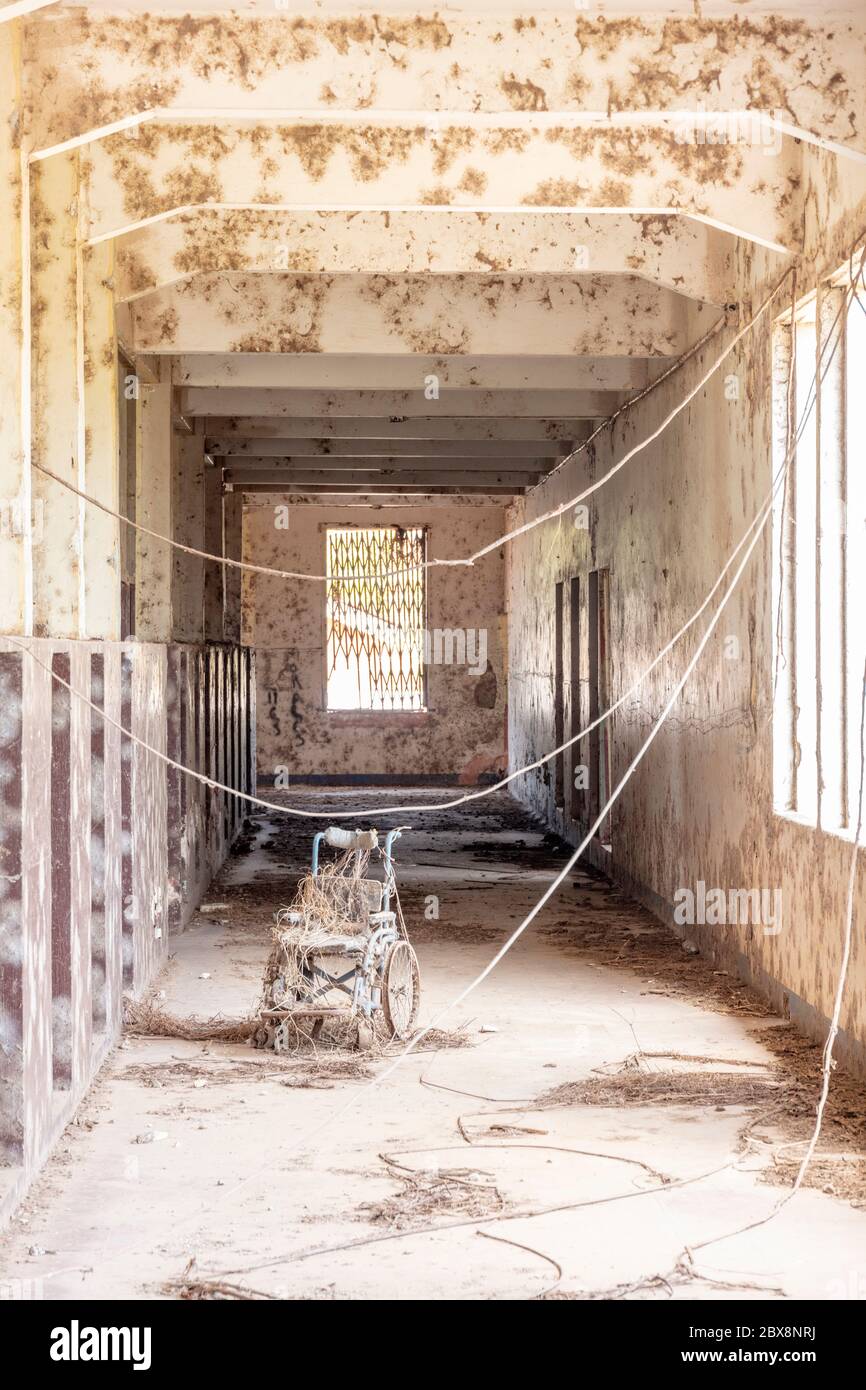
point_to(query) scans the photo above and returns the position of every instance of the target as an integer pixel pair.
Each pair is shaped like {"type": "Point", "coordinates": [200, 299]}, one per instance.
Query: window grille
{"type": "Point", "coordinates": [819, 557]}
{"type": "Point", "coordinates": [375, 618]}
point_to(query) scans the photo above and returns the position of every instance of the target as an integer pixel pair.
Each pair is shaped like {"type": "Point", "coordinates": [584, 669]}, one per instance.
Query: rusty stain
{"type": "Point", "coordinates": [370, 149]}
{"type": "Point", "coordinates": [523, 96]}
{"type": "Point", "coordinates": [474, 181]}
{"type": "Point", "coordinates": [166, 326]}
{"type": "Point", "coordinates": [556, 193]}
{"type": "Point", "coordinates": [448, 145]}
{"type": "Point", "coordinates": [439, 196]}
{"type": "Point", "coordinates": [512, 140]}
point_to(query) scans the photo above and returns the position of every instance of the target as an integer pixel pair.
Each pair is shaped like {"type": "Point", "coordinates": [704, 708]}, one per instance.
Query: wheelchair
{"type": "Point", "coordinates": [365, 970]}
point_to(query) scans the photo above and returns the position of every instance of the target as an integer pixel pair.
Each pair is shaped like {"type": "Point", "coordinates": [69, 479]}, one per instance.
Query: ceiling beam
{"type": "Point", "coordinates": [15, 9]}
{"type": "Point", "coordinates": [424, 428]}
{"type": "Point", "coordinates": [513, 162]}
{"type": "Point", "coordinates": [459, 315]}
{"type": "Point", "coordinates": [364, 478]}
{"type": "Point", "coordinates": [591, 405]}
{"type": "Point", "coordinates": [554, 67]}
{"type": "Point", "coordinates": [374, 490]}
{"type": "Point", "coordinates": [496, 451]}
{"type": "Point", "coordinates": [682, 255]}
{"type": "Point", "coordinates": [397, 466]}
{"type": "Point", "coordinates": [412, 372]}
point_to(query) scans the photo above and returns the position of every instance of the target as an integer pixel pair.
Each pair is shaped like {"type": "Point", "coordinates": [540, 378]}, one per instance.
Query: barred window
{"type": "Point", "coordinates": [375, 618]}
{"type": "Point", "coordinates": [819, 554]}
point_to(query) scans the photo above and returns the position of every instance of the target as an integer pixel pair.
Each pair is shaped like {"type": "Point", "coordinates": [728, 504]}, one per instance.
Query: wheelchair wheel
{"type": "Point", "coordinates": [401, 989]}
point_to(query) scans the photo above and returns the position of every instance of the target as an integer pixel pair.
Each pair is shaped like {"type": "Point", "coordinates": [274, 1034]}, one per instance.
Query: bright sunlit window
{"type": "Point", "coordinates": [375, 618]}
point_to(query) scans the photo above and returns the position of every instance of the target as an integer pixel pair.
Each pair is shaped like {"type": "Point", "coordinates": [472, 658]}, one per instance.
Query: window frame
{"type": "Point", "coordinates": [817, 659]}
{"type": "Point", "coordinates": [360, 712]}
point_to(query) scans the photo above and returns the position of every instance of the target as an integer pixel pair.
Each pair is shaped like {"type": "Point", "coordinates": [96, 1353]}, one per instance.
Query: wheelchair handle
{"type": "Point", "coordinates": [338, 838]}
{"type": "Point", "coordinates": [360, 840]}
{"type": "Point", "coordinates": [389, 864]}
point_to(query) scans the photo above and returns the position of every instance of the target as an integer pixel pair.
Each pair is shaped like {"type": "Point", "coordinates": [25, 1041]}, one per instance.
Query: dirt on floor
{"type": "Point", "coordinates": [600, 1063]}
{"type": "Point", "coordinates": [839, 1165]}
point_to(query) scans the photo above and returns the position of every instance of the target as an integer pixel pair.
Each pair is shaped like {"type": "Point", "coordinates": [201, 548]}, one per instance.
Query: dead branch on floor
{"type": "Point", "coordinates": [339, 1034]}
{"type": "Point", "coordinates": [143, 1018]}
{"type": "Point", "coordinates": [636, 1087]}
{"type": "Point", "coordinates": [634, 1059]}
{"type": "Point", "coordinates": [530, 1250]}
{"type": "Point", "coordinates": [426, 1192]}
{"type": "Point", "coordinates": [193, 1286]}
{"type": "Point", "coordinates": [663, 1178]}
{"type": "Point", "coordinates": [441, 1039]}
{"type": "Point", "coordinates": [308, 1071]}
{"type": "Point", "coordinates": [653, 1283]}
{"type": "Point", "coordinates": [215, 1289]}
{"type": "Point", "coordinates": [684, 1275]}
{"type": "Point", "coordinates": [474, 1095]}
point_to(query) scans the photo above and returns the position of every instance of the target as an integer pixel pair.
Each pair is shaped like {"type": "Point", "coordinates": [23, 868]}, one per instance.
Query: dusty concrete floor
{"type": "Point", "coordinates": [678, 1090]}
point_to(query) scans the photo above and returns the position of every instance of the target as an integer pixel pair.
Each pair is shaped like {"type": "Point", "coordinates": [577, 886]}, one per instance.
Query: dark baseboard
{"type": "Point", "coordinates": [378, 779]}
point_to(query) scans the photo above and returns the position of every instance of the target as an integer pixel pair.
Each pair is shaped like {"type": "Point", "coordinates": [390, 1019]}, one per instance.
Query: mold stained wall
{"type": "Point", "coordinates": [700, 806]}
{"type": "Point", "coordinates": [104, 853]}
{"type": "Point", "coordinates": [461, 735]}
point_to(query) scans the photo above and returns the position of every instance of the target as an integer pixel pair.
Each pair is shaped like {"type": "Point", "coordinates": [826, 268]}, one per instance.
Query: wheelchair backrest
{"type": "Point", "coordinates": [353, 898]}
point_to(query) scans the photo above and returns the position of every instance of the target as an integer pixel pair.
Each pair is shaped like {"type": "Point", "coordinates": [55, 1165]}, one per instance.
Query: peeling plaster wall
{"type": "Point", "coordinates": [700, 805]}
{"type": "Point", "coordinates": [13, 557]}
{"type": "Point", "coordinates": [462, 735]}
{"type": "Point", "coordinates": [104, 851]}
